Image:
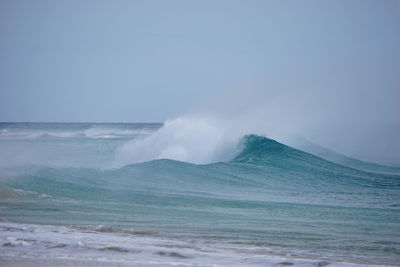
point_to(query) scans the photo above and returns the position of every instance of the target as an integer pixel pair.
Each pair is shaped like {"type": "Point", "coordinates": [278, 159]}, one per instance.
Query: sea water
{"type": "Point", "coordinates": [118, 193]}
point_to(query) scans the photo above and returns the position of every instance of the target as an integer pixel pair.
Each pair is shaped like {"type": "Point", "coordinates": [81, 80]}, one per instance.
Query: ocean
{"type": "Point", "coordinates": [103, 193]}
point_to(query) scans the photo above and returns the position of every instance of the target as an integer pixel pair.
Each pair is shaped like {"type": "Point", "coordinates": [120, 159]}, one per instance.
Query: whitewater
{"type": "Point", "coordinates": [189, 192]}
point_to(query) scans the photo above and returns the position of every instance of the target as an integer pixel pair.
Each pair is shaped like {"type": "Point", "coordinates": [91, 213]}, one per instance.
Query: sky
{"type": "Point", "coordinates": [148, 61]}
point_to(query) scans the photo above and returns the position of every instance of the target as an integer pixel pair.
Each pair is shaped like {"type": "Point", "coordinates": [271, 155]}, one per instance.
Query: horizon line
{"type": "Point", "coordinates": [88, 122]}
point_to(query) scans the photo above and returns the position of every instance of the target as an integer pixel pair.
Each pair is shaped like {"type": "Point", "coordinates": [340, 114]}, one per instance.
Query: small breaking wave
{"type": "Point", "coordinates": [111, 229]}
{"type": "Point", "coordinates": [94, 131]}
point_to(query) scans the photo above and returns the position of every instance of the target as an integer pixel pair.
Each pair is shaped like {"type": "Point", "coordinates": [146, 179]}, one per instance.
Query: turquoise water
{"type": "Point", "coordinates": [269, 200]}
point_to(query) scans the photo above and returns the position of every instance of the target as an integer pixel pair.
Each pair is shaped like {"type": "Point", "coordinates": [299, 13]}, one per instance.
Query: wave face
{"type": "Point", "coordinates": [270, 204]}
{"type": "Point", "coordinates": [333, 156]}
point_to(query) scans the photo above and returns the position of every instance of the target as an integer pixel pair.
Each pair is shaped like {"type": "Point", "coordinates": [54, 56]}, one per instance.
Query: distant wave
{"type": "Point", "coordinates": [106, 131]}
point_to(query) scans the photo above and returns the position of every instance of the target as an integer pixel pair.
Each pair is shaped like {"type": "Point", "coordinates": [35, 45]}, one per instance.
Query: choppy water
{"type": "Point", "coordinates": [64, 195]}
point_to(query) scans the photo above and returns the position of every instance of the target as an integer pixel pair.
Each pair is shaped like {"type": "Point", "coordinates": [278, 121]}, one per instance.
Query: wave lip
{"type": "Point", "coordinates": [256, 148]}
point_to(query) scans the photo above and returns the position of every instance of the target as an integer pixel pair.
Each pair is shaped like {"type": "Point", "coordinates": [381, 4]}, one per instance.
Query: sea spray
{"type": "Point", "coordinates": [192, 139]}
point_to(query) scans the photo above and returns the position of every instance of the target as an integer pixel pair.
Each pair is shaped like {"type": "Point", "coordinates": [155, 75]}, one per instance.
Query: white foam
{"type": "Point", "coordinates": [34, 133]}
{"type": "Point", "coordinates": [192, 139]}
{"type": "Point", "coordinates": [22, 241]}
{"type": "Point", "coordinates": [110, 132]}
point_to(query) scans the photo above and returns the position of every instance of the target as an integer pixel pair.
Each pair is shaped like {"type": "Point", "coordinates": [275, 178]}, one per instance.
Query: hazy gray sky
{"type": "Point", "coordinates": [139, 61]}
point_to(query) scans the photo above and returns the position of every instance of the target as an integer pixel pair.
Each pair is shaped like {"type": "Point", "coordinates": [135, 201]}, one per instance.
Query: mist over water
{"type": "Point", "coordinates": [339, 115]}
{"type": "Point", "coordinates": [87, 145]}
